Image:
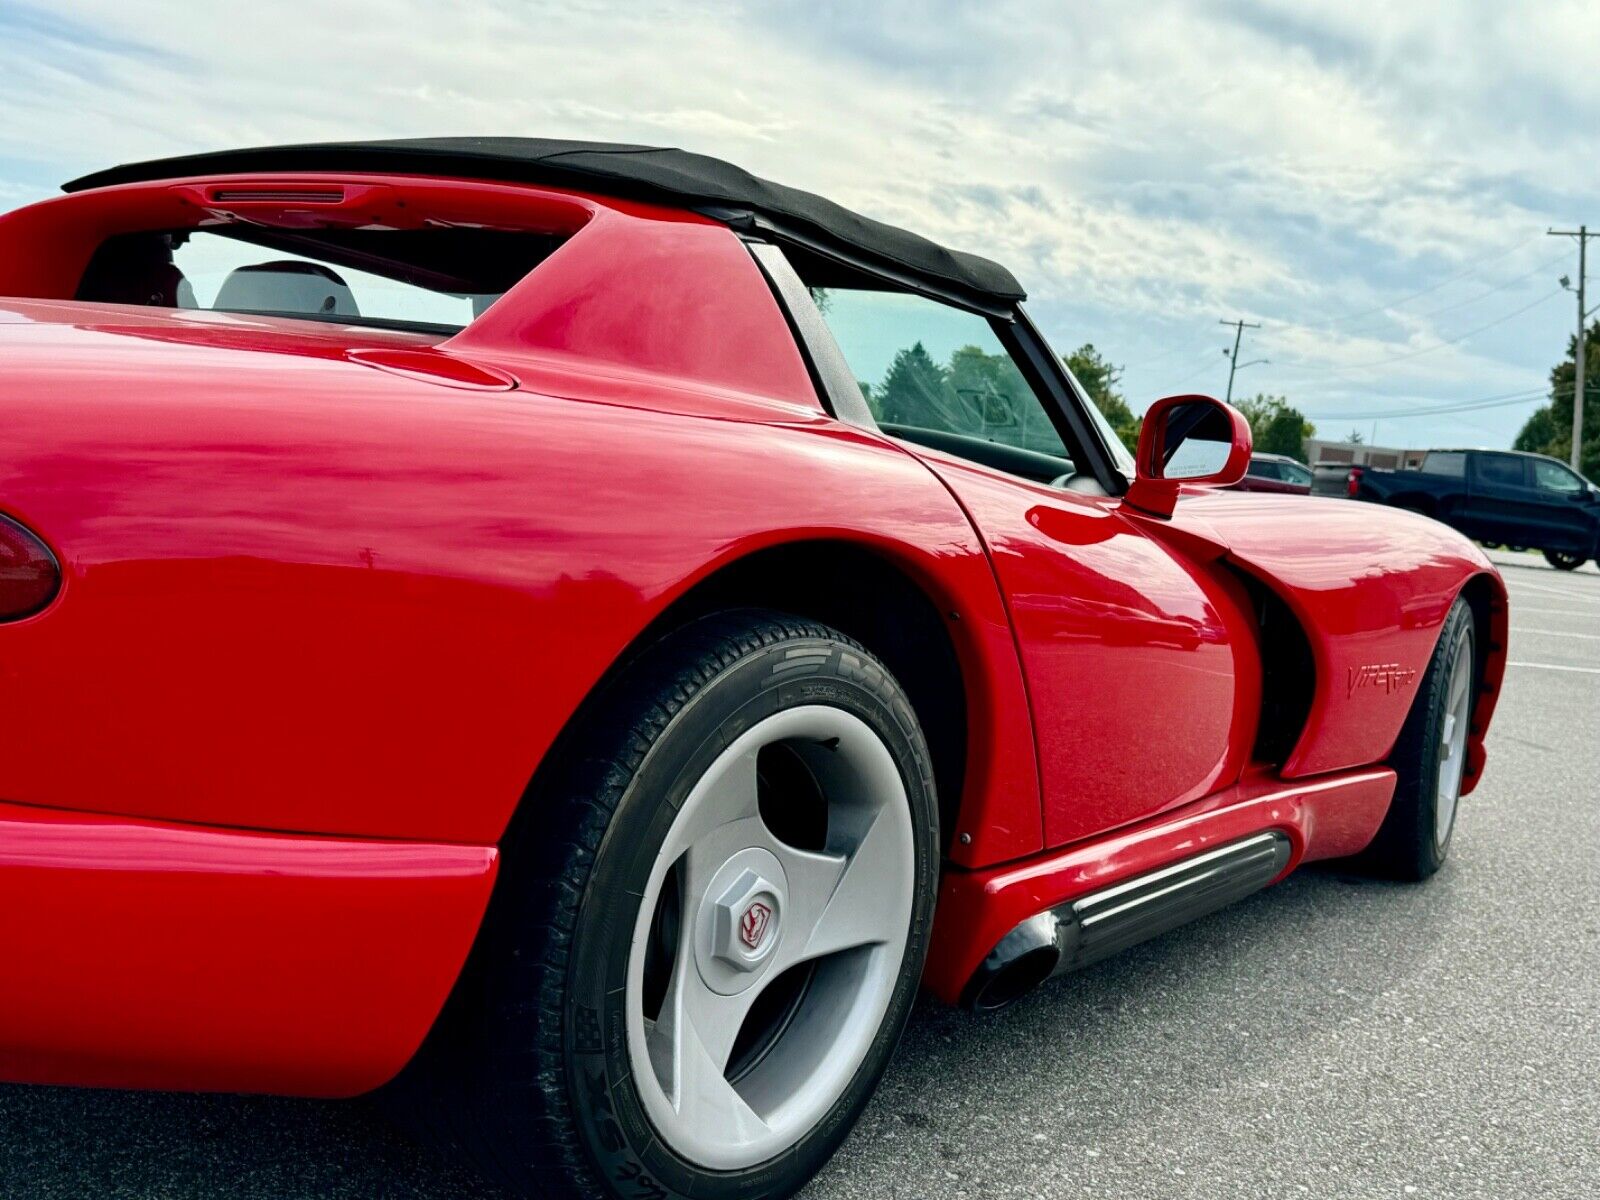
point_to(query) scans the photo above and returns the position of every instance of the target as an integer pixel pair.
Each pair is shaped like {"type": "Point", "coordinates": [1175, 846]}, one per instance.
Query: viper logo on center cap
{"type": "Point", "coordinates": [753, 925]}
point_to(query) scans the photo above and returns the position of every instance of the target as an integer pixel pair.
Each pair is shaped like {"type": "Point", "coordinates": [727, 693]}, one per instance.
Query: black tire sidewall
{"type": "Point", "coordinates": [1407, 846]}
{"type": "Point", "coordinates": [611, 1119]}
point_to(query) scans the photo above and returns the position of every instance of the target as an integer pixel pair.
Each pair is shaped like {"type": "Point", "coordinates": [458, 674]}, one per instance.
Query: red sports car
{"type": "Point", "coordinates": [588, 631]}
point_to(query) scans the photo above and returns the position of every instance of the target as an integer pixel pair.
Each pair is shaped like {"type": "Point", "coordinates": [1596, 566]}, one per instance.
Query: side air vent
{"type": "Point", "coordinates": [1288, 673]}
{"type": "Point", "coordinates": [277, 196]}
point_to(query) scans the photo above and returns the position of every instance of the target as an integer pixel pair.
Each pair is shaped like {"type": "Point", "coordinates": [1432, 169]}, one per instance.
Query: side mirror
{"type": "Point", "coordinates": [1187, 439]}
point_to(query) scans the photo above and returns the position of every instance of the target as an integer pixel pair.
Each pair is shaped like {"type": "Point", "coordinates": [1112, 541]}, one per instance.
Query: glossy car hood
{"type": "Point", "coordinates": [1321, 542]}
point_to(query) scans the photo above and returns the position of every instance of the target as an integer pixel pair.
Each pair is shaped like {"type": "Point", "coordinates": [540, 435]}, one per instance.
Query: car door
{"type": "Point", "coordinates": [1566, 506]}
{"type": "Point", "coordinates": [1140, 663]}
{"type": "Point", "coordinates": [1500, 504]}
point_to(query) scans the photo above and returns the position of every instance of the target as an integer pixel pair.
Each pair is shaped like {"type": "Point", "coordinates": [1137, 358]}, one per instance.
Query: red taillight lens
{"type": "Point", "coordinates": [29, 573]}
{"type": "Point", "coordinates": [1353, 481]}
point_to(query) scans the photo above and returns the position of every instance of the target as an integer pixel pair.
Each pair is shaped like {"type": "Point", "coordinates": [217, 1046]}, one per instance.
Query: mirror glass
{"type": "Point", "coordinates": [1196, 441]}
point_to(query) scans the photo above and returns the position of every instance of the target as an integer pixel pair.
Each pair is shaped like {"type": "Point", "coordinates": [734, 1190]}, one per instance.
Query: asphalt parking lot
{"type": "Point", "coordinates": [1331, 1037]}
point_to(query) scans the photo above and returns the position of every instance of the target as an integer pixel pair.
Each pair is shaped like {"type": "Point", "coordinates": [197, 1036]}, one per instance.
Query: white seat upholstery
{"type": "Point", "coordinates": [287, 287]}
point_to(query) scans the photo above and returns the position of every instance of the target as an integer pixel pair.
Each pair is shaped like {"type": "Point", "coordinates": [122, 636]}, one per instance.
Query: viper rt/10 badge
{"type": "Point", "coordinates": [1385, 677]}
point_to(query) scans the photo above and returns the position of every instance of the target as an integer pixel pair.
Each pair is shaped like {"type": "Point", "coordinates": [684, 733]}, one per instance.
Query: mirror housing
{"type": "Point", "coordinates": [1219, 443]}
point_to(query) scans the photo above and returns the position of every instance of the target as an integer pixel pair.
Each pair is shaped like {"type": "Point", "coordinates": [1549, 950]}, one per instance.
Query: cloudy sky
{"type": "Point", "coordinates": [1370, 181]}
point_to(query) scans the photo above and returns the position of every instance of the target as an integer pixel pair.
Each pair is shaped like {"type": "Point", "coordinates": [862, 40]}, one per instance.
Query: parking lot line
{"type": "Point", "coordinates": [1551, 612]}
{"type": "Point", "coordinates": [1588, 637]}
{"type": "Point", "coordinates": [1554, 667]}
{"type": "Point", "coordinates": [1582, 597]}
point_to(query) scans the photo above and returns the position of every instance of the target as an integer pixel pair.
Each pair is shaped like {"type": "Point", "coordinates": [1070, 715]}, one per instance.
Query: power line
{"type": "Point", "coordinates": [1499, 287]}
{"type": "Point", "coordinates": [1470, 269]}
{"type": "Point", "coordinates": [1205, 361]}
{"type": "Point", "coordinates": [1444, 308]}
{"type": "Point", "coordinates": [1446, 343]}
{"type": "Point", "coordinates": [1507, 400]}
{"type": "Point", "coordinates": [1178, 348]}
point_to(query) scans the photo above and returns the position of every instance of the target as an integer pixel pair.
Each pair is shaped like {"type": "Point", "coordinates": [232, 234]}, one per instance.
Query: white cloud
{"type": "Point", "coordinates": [1144, 168]}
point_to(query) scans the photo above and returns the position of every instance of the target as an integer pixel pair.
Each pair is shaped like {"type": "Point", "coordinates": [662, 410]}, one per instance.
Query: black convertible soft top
{"type": "Point", "coordinates": [649, 173]}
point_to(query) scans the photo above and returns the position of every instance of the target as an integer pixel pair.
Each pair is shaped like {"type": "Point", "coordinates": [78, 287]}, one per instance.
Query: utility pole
{"type": "Point", "coordinates": [1234, 364]}
{"type": "Point", "coordinates": [1583, 235]}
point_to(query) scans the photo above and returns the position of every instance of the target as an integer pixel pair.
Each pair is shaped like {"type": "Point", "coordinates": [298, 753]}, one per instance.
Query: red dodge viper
{"type": "Point", "coordinates": [578, 634]}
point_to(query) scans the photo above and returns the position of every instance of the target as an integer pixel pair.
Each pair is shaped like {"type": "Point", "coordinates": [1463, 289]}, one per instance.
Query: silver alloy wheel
{"type": "Point", "coordinates": [824, 929]}
{"type": "Point", "coordinates": [1453, 737]}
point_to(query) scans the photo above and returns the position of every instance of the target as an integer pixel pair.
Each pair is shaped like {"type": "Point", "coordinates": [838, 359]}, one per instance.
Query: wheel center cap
{"type": "Point", "coordinates": [740, 921]}
{"type": "Point", "coordinates": [754, 924]}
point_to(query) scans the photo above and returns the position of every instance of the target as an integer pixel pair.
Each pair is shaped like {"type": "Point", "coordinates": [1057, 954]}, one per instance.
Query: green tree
{"type": "Point", "coordinates": [1276, 427]}
{"type": "Point", "coordinates": [993, 391]}
{"type": "Point", "coordinates": [913, 393]}
{"type": "Point", "coordinates": [985, 382]}
{"type": "Point", "coordinates": [1099, 378]}
{"type": "Point", "coordinates": [1540, 433]}
{"type": "Point", "coordinates": [1549, 430]}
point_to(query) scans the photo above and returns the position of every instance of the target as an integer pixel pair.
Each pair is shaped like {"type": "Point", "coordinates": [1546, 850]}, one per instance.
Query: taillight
{"type": "Point", "coordinates": [29, 573]}
{"type": "Point", "coordinates": [1353, 481]}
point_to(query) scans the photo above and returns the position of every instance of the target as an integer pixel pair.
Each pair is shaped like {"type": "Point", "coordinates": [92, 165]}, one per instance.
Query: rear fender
{"type": "Point", "coordinates": [370, 612]}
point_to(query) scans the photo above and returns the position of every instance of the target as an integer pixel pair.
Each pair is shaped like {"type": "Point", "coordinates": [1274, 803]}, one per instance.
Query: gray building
{"type": "Point", "coordinates": [1319, 452]}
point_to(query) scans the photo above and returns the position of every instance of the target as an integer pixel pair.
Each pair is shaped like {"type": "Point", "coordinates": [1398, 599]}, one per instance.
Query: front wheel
{"type": "Point", "coordinates": [1562, 561]}
{"type": "Point", "coordinates": [1430, 759]}
{"type": "Point", "coordinates": [708, 944]}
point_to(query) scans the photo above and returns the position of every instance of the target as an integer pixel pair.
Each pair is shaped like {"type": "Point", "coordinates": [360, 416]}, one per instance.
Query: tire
{"type": "Point", "coordinates": [1562, 561]}
{"type": "Point", "coordinates": [1428, 759]}
{"type": "Point", "coordinates": [771, 750]}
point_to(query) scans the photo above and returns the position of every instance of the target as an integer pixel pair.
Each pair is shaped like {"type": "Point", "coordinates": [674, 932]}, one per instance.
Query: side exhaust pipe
{"type": "Point", "coordinates": [1096, 926]}
{"type": "Point", "coordinates": [1024, 959]}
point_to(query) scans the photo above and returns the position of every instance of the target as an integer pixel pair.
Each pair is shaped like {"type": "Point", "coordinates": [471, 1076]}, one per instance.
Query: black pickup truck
{"type": "Point", "coordinates": [1497, 496]}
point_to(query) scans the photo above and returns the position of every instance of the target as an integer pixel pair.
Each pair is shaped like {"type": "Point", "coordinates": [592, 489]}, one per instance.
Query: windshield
{"type": "Point", "coordinates": [1120, 457]}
